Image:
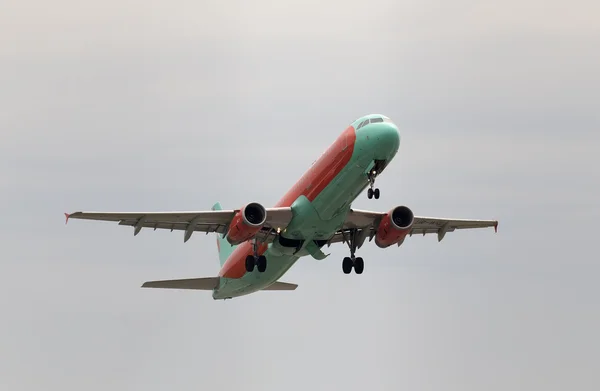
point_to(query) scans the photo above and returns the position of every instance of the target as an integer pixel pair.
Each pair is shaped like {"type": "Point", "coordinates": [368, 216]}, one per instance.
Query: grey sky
{"type": "Point", "coordinates": [131, 105]}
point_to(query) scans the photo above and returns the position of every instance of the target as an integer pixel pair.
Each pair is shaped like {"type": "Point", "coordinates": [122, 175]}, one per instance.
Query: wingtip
{"type": "Point", "coordinates": [67, 215]}
{"type": "Point", "coordinates": [496, 227]}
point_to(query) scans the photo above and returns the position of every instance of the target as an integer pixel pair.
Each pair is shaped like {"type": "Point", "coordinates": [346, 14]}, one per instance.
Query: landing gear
{"type": "Point", "coordinates": [260, 261]}
{"type": "Point", "coordinates": [372, 192]}
{"type": "Point", "coordinates": [347, 265]}
{"type": "Point", "coordinates": [261, 264]}
{"type": "Point", "coordinates": [250, 261]}
{"type": "Point", "coordinates": [359, 265]}
{"type": "Point", "coordinates": [352, 261]}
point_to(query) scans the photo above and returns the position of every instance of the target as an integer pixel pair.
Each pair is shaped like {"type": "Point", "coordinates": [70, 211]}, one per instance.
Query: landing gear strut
{"type": "Point", "coordinates": [352, 261]}
{"type": "Point", "coordinates": [372, 192]}
{"type": "Point", "coordinates": [260, 261]}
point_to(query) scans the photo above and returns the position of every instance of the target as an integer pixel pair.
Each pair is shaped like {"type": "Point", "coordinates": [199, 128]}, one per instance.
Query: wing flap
{"type": "Point", "coordinates": [218, 228]}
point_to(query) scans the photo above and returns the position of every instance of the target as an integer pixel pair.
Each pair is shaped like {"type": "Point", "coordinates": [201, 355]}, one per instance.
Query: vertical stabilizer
{"type": "Point", "coordinates": [225, 249]}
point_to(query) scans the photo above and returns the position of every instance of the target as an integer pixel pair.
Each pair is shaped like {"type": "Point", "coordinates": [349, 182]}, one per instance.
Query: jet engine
{"type": "Point", "coordinates": [246, 223]}
{"type": "Point", "coordinates": [394, 226]}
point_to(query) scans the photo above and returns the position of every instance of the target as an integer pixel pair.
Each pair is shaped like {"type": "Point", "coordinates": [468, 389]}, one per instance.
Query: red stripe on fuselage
{"type": "Point", "coordinates": [310, 185]}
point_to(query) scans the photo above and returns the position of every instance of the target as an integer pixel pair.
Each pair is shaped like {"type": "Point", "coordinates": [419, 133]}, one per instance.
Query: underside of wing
{"type": "Point", "coordinates": [441, 226]}
{"type": "Point", "coordinates": [361, 224]}
{"type": "Point", "coordinates": [266, 221]}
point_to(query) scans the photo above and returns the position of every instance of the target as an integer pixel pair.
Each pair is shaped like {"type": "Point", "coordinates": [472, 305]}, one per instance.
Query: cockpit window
{"type": "Point", "coordinates": [373, 120]}
{"type": "Point", "coordinates": [362, 124]}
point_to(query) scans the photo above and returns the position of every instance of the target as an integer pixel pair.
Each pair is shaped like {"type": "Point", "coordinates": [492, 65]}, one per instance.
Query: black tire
{"type": "Point", "coordinates": [250, 263]}
{"type": "Point", "coordinates": [347, 265]}
{"type": "Point", "coordinates": [376, 194]}
{"type": "Point", "coordinates": [359, 265]}
{"type": "Point", "coordinates": [261, 263]}
{"type": "Point", "coordinates": [370, 193]}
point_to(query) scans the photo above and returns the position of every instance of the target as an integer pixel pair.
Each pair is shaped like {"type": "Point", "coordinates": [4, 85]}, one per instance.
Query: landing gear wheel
{"type": "Point", "coordinates": [372, 192]}
{"type": "Point", "coordinates": [353, 242]}
{"type": "Point", "coordinates": [347, 265]}
{"type": "Point", "coordinates": [261, 263]}
{"type": "Point", "coordinates": [250, 261]}
{"type": "Point", "coordinates": [359, 265]}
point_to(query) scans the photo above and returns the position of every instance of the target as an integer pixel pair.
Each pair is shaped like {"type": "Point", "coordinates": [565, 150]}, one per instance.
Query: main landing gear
{"type": "Point", "coordinates": [352, 261]}
{"type": "Point", "coordinates": [260, 261]}
{"type": "Point", "coordinates": [349, 262]}
{"type": "Point", "coordinates": [372, 192]}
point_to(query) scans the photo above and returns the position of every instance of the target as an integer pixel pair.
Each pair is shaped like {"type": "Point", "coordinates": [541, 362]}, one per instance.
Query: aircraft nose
{"type": "Point", "coordinates": [387, 134]}
{"type": "Point", "coordinates": [385, 138]}
{"type": "Point", "coordinates": [377, 138]}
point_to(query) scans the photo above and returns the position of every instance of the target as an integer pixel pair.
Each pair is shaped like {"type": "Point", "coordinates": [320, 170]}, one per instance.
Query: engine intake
{"type": "Point", "coordinates": [394, 226]}
{"type": "Point", "coordinates": [246, 223]}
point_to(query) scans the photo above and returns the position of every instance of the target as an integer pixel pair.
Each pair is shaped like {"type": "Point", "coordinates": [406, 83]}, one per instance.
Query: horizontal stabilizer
{"type": "Point", "coordinates": [281, 286]}
{"type": "Point", "coordinates": [203, 284]}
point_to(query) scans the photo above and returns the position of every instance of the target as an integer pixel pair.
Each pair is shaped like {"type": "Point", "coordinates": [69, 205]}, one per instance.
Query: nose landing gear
{"type": "Point", "coordinates": [372, 192]}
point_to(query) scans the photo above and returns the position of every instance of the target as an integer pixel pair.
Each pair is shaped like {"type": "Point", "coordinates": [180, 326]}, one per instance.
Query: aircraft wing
{"type": "Point", "coordinates": [365, 223]}
{"type": "Point", "coordinates": [190, 222]}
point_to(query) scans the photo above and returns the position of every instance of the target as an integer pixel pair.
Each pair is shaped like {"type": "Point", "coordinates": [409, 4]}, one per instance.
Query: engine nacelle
{"type": "Point", "coordinates": [394, 226]}
{"type": "Point", "coordinates": [246, 223]}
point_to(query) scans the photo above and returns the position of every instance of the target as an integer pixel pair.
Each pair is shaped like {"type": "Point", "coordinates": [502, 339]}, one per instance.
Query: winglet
{"type": "Point", "coordinates": [496, 227]}
{"type": "Point", "coordinates": [67, 218]}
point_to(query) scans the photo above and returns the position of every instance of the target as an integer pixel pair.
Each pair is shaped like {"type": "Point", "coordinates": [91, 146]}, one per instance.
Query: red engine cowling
{"type": "Point", "coordinates": [246, 223]}
{"type": "Point", "coordinates": [394, 226]}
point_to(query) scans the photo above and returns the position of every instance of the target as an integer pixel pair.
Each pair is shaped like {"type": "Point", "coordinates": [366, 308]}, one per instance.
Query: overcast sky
{"type": "Point", "coordinates": [155, 105]}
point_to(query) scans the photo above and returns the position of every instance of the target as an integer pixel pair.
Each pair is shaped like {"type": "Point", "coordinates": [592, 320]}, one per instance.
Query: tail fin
{"type": "Point", "coordinates": [225, 249]}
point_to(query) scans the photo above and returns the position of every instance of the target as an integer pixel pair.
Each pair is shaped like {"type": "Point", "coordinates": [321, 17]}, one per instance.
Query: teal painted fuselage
{"type": "Point", "coordinates": [315, 221]}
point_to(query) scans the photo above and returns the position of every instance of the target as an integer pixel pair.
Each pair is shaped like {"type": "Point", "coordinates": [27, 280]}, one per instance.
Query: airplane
{"type": "Point", "coordinates": [258, 245]}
